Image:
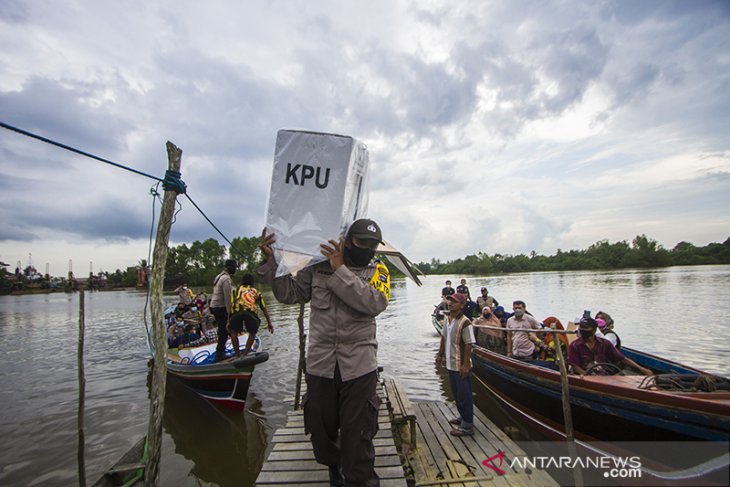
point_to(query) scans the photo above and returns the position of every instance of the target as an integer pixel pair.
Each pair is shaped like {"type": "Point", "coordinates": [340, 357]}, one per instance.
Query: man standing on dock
{"type": "Point", "coordinates": [456, 341]}
{"type": "Point", "coordinates": [347, 292]}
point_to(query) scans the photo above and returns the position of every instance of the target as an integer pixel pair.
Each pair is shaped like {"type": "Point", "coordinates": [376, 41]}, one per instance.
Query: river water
{"type": "Point", "coordinates": [679, 313]}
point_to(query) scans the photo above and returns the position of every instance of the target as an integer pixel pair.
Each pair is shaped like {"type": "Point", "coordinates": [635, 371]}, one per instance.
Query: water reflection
{"type": "Point", "coordinates": [225, 447]}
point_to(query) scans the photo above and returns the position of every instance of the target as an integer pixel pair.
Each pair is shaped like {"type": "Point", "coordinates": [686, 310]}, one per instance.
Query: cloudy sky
{"type": "Point", "coordinates": [492, 126]}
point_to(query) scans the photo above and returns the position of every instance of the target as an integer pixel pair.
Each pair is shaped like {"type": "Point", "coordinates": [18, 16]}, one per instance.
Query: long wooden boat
{"type": "Point", "coordinates": [679, 403]}
{"type": "Point", "coordinates": [224, 383]}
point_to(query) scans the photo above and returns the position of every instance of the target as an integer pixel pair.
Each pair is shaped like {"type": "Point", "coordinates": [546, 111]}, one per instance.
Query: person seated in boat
{"type": "Point", "coordinates": [200, 301]}
{"type": "Point", "coordinates": [548, 354]}
{"type": "Point", "coordinates": [471, 310]}
{"type": "Point", "coordinates": [173, 332]}
{"type": "Point", "coordinates": [490, 339]}
{"type": "Point", "coordinates": [245, 302]}
{"type": "Point", "coordinates": [208, 332]}
{"type": "Point", "coordinates": [588, 349]}
{"type": "Point", "coordinates": [605, 326]}
{"type": "Point", "coordinates": [188, 336]}
{"type": "Point", "coordinates": [486, 300]}
{"type": "Point", "coordinates": [180, 311]}
{"type": "Point", "coordinates": [606, 317]}
{"type": "Point", "coordinates": [183, 314]}
{"type": "Point", "coordinates": [501, 314]}
{"type": "Point", "coordinates": [522, 345]}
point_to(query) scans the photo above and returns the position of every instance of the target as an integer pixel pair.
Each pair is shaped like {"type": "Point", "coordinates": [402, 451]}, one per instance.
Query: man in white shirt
{"type": "Point", "coordinates": [456, 343]}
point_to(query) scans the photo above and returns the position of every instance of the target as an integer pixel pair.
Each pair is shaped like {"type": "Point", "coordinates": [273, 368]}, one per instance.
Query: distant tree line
{"type": "Point", "coordinates": [642, 252]}
{"type": "Point", "coordinates": [198, 263]}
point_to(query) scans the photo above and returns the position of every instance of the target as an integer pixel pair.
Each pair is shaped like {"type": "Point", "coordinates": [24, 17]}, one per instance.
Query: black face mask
{"type": "Point", "coordinates": [486, 315]}
{"type": "Point", "coordinates": [358, 256]}
{"type": "Point", "coordinates": [586, 333]}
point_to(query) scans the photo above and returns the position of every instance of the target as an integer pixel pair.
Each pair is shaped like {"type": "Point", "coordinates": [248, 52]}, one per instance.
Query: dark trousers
{"type": "Point", "coordinates": [342, 417]}
{"type": "Point", "coordinates": [461, 389]}
{"type": "Point", "coordinates": [221, 317]}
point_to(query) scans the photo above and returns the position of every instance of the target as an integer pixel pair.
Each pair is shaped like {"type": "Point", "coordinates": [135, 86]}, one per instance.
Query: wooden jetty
{"type": "Point", "coordinates": [291, 461]}
{"type": "Point", "coordinates": [413, 447]}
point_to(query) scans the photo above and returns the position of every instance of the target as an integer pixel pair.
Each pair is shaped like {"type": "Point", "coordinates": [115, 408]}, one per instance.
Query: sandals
{"type": "Point", "coordinates": [462, 432]}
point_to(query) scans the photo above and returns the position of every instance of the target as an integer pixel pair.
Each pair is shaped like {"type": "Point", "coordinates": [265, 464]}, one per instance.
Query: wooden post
{"type": "Point", "coordinates": [82, 393]}
{"type": "Point", "coordinates": [159, 345]}
{"type": "Point", "coordinates": [567, 414]}
{"type": "Point", "coordinates": [301, 369]}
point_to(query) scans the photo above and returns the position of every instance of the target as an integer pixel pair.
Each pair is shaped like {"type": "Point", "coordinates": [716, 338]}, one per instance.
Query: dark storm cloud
{"type": "Point", "coordinates": [61, 111]}
{"type": "Point", "coordinates": [112, 220]}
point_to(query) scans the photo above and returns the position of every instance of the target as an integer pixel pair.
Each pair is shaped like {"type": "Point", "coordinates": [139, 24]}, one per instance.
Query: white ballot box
{"type": "Point", "coordinates": [318, 187]}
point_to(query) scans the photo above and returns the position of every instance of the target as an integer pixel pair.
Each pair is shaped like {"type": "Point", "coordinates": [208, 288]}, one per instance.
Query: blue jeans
{"type": "Point", "coordinates": [461, 389]}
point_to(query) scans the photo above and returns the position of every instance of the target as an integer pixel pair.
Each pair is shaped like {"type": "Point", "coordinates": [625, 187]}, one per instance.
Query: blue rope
{"type": "Point", "coordinates": [77, 151]}
{"type": "Point", "coordinates": [172, 181]}
{"type": "Point", "coordinates": [213, 225]}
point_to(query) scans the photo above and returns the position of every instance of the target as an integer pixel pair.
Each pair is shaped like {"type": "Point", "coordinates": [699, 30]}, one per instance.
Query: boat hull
{"type": "Point", "coordinates": [437, 324]}
{"type": "Point", "coordinates": [608, 408]}
{"type": "Point", "coordinates": [224, 383]}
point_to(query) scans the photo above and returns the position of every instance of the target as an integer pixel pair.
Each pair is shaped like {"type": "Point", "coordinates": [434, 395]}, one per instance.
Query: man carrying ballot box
{"type": "Point", "coordinates": [346, 292]}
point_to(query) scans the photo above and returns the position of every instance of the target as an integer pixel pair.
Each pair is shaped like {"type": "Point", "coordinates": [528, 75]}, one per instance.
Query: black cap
{"type": "Point", "coordinates": [588, 323]}
{"type": "Point", "coordinates": [231, 264]}
{"type": "Point", "coordinates": [365, 229]}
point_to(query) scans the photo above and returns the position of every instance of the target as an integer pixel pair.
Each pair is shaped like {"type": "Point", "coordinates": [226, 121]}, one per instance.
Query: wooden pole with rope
{"type": "Point", "coordinates": [159, 344]}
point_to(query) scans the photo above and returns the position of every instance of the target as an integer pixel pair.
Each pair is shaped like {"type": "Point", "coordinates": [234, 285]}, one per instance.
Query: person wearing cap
{"type": "Point", "coordinates": [521, 344]}
{"type": "Point", "coordinates": [457, 339]}
{"type": "Point", "coordinates": [503, 315]}
{"type": "Point", "coordinates": [486, 300]}
{"type": "Point", "coordinates": [346, 292]}
{"type": "Point", "coordinates": [588, 349]}
{"type": "Point", "coordinates": [220, 305]}
{"type": "Point", "coordinates": [462, 288]}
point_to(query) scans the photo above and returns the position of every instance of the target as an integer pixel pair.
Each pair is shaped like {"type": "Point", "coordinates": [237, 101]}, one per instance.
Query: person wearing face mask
{"type": "Point", "coordinates": [589, 349]}
{"type": "Point", "coordinates": [186, 295]}
{"type": "Point", "coordinates": [220, 305]}
{"type": "Point", "coordinates": [521, 344]}
{"type": "Point", "coordinates": [488, 338]}
{"type": "Point", "coordinates": [346, 292]}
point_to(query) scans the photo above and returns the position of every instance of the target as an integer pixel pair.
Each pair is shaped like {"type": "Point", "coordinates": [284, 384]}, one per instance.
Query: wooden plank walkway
{"type": "Point", "coordinates": [441, 459]}
{"type": "Point", "coordinates": [291, 461]}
